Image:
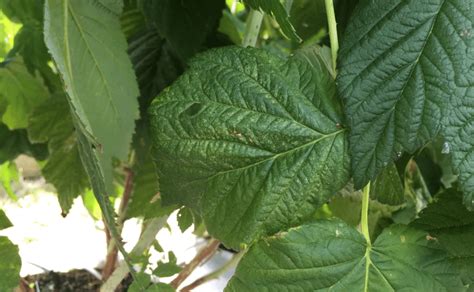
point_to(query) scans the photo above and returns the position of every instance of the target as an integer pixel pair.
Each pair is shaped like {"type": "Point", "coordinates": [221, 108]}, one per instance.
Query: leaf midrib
{"type": "Point", "coordinates": [273, 157]}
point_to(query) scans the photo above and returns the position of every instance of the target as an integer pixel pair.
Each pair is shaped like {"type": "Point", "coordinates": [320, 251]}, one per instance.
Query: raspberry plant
{"type": "Point", "coordinates": [346, 169]}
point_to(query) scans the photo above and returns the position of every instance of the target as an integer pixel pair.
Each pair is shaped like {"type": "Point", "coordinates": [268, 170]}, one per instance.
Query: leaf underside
{"type": "Point", "coordinates": [332, 256]}
{"type": "Point", "coordinates": [401, 64]}
{"type": "Point", "coordinates": [254, 138]}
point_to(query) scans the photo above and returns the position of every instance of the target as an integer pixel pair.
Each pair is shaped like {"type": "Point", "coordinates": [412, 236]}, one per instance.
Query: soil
{"type": "Point", "coordinates": [72, 281]}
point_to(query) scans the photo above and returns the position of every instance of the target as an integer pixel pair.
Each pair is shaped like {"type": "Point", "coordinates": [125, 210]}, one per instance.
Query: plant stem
{"type": "Point", "coordinates": [146, 239]}
{"type": "Point", "coordinates": [364, 216]}
{"type": "Point", "coordinates": [112, 255]}
{"type": "Point", "coordinates": [252, 28]}
{"type": "Point", "coordinates": [216, 274]}
{"type": "Point", "coordinates": [331, 15]}
{"type": "Point", "coordinates": [204, 254]}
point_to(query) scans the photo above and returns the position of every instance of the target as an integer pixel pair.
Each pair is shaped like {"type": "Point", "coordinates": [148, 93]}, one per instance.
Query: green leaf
{"type": "Point", "coordinates": [255, 139]}
{"type": "Point", "coordinates": [52, 122]}
{"type": "Point", "coordinates": [185, 24]}
{"type": "Point", "coordinates": [4, 221]}
{"type": "Point", "coordinates": [155, 64]}
{"type": "Point", "coordinates": [185, 219]}
{"type": "Point", "coordinates": [85, 40]}
{"type": "Point", "coordinates": [449, 223]}
{"type": "Point", "coordinates": [8, 29]}
{"type": "Point", "coordinates": [8, 174]}
{"type": "Point", "coordinates": [332, 256]}
{"type": "Point", "coordinates": [459, 130]}
{"type": "Point", "coordinates": [16, 142]}
{"type": "Point", "coordinates": [166, 269]}
{"type": "Point", "coordinates": [387, 187]}
{"type": "Point", "coordinates": [20, 92]}
{"type": "Point", "coordinates": [400, 64]}
{"type": "Point", "coordinates": [232, 26]}
{"type": "Point", "coordinates": [278, 11]}
{"type": "Point", "coordinates": [10, 265]}
{"type": "Point", "coordinates": [308, 17]}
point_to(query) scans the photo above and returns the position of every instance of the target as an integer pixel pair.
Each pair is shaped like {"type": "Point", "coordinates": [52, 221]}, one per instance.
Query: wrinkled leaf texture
{"type": "Point", "coordinates": [403, 65]}
{"type": "Point", "coordinates": [332, 256]}
{"type": "Point", "coordinates": [251, 140]}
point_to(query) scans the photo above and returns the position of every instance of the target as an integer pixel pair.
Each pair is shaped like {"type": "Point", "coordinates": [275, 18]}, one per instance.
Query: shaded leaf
{"type": "Point", "coordinates": [185, 24]}
{"type": "Point", "coordinates": [449, 223]}
{"type": "Point", "coordinates": [254, 138]}
{"type": "Point", "coordinates": [51, 122]}
{"type": "Point", "coordinates": [332, 256]}
{"type": "Point", "coordinates": [387, 187]}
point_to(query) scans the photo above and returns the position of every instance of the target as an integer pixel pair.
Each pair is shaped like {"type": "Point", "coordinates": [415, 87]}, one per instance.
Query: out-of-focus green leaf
{"type": "Point", "coordinates": [8, 30]}
{"type": "Point", "coordinates": [387, 187]}
{"type": "Point", "coordinates": [51, 123]}
{"type": "Point", "coordinates": [449, 223]}
{"type": "Point", "coordinates": [20, 93]}
{"type": "Point", "coordinates": [185, 24]}
{"type": "Point", "coordinates": [232, 26]}
{"type": "Point", "coordinates": [308, 17]}
{"type": "Point", "coordinates": [185, 219]}
{"type": "Point", "coordinates": [9, 266]}
{"type": "Point", "coordinates": [91, 204]}
{"type": "Point", "coordinates": [132, 19]}
{"type": "Point", "coordinates": [4, 221]}
{"type": "Point", "coordinates": [14, 143]}
{"type": "Point", "coordinates": [8, 174]}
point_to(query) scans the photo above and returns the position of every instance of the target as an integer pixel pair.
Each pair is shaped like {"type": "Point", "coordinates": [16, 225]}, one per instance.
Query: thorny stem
{"type": "Point", "coordinates": [364, 216]}
{"type": "Point", "coordinates": [332, 31]}
{"type": "Point", "coordinates": [112, 255]}
{"type": "Point", "coordinates": [216, 274]}
{"type": "Point", "coordinates": [252, 28]}
{"type": "Point", "coordinates": [204, 254]}
{"type": "Point", "coordinates": [147, 237]}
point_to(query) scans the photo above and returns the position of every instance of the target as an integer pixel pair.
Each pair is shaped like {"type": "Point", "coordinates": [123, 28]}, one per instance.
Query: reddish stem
{"type": "Point", "coordinates": [112, 256]}
{"type": "Point", "coordinates": [204, 254]}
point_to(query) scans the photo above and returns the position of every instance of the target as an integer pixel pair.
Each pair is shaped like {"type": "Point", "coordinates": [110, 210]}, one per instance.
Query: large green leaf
{"type": "Point", "coordinates": [399, 67]}
{"type": "Point", "coordinates": [459, 130]}
{"type": "Point", "coordinates": [332, 256]}
{"type": "Point", "coordinates": [449, 223]}
{"type": "Point", "coordinates": [51, 123]}
{"type": "Point", "coordinates": [278, 11]}
{"type": "Point", "coordinates": [20, 92]}
{"type": "Point", "coordinates": [185, 24]}
{"type": "Point", "coordinates": [256, 139]}
{"type": "Point", "coordinates": [9, 266]}
{"type": "Point", "coordinates": [85, 40]}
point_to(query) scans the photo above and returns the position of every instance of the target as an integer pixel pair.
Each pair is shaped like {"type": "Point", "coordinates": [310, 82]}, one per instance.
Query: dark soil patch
{"type": "Point", "coordinates": [75, 280]}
